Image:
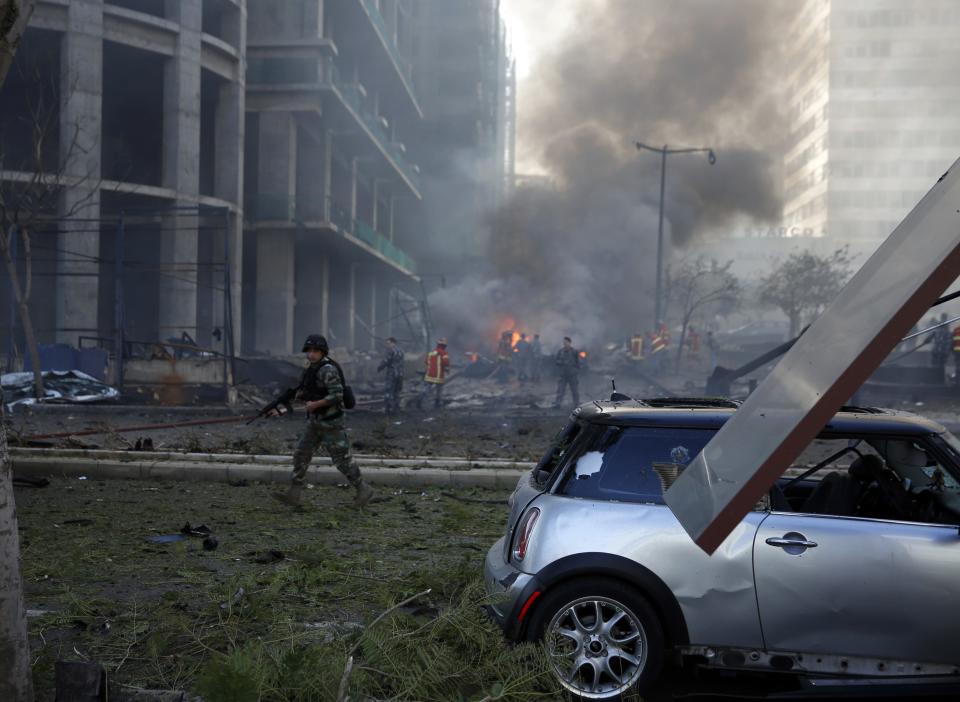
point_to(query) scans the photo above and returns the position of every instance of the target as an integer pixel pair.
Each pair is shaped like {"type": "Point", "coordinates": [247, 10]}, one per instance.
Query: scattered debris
{"type": "Point", "coordinates": [23, 481]}
{"type": "Point", "coordinates": [165, 538]}
{"type": "Point", "coordinates": [143, 444]}
{"type": "Point", "coordinates": [59, 386]}
{"type": "Point", "coordinates": [199, 530]}
{"type": "Point", "coordinates": [79, 681]}
{"type": "Point", "coordinates": [271, 556]}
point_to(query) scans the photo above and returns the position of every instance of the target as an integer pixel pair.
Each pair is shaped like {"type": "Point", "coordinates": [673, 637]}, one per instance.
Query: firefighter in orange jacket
{"type": "Point", "coordinates": [636, 347]}
{"type": "Point", "coordinates": [437, 365]}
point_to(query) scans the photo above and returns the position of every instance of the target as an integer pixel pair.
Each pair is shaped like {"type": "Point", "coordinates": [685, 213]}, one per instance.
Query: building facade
{"type": "Point", "coordinates": [467, 139]}
{"type": "Point", "coordinates": [137, 109]}
{"type": "Point", "coordinates": [872, 101]}
{"type": "Point", "coordinates": [284, 151]}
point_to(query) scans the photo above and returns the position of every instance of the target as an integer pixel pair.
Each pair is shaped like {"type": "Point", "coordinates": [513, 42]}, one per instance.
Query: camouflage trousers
{"type": "Point", "coordinates": [392, 387]}
{"type": "Point", "coordinates": [568, 379]}
{"type": "Point", "coordinates": [331, 434]}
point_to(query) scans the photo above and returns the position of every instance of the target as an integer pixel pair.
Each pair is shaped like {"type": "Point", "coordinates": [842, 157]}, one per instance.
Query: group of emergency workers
{"type": "Point", "coordinates": [652, 348]}
{"type": "Point", "coordinates": [324, 391]}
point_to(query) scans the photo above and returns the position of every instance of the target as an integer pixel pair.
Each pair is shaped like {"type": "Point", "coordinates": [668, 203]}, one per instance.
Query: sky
{"type": "Point", "coordinates": [535, 26]}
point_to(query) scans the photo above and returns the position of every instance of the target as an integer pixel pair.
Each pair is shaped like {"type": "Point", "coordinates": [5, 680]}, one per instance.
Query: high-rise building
{"type": "Point", "coordinates": [332, 186]}
{"type": "Point", "coordinates": [467, 80]}
{"type": "Point", "coordinates": [873, 98]}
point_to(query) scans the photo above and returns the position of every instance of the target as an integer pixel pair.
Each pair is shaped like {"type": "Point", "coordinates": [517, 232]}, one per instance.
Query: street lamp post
{"type": "Point", "coordinates": [664, 152]}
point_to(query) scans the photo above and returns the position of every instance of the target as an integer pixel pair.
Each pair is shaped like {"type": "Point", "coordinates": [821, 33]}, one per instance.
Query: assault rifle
{"type": "Point", "coordinates": [284, 401]}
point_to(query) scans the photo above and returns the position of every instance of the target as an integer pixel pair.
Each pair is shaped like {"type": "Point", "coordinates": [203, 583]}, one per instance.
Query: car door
{"type": "Point", "coordinates": [859, 587]}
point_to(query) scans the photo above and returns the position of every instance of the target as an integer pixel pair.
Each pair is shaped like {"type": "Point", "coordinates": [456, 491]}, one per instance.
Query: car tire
{"type": "Point", "coordinates": [593, 662]}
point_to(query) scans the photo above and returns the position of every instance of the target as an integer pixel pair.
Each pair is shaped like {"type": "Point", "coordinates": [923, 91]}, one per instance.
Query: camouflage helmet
{"type": "Point", "coordinates": [316, 341]}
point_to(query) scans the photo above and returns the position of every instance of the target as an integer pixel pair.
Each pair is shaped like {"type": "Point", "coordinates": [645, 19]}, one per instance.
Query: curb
{"type": "Point", "coordinates": [261, 459]}
{"type": "Point", "coordinates": [191, 471]}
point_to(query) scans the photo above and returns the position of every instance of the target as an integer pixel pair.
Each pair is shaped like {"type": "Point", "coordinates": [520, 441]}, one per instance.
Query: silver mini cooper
{"type": "Point", "coordinates": [848, 569]}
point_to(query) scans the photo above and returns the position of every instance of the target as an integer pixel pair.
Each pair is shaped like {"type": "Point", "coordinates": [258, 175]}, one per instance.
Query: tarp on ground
{"type": "Point", "coordinates": [59, 386]}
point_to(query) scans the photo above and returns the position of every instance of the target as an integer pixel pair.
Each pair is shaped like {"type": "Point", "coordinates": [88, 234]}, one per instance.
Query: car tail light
{"type": "Point", "coordinates": [524, 532]}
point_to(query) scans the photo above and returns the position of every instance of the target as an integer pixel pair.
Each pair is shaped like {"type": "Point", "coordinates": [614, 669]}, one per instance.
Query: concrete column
{"type": "Point", "coordinates": [309, 201]}
{"type": "Point", "coordinates": [310, 281]}
{"type": "Point", "coordinates": [313, 19]}
{"type": "Point", "coordinates": [81, 100]}
{"type": "Point", "coordinates": [393, 205]}
{"type": "Point", "coordinates": [228, 185]}
{"type": "Point", "coordinates": [395, 21]}
{"type": "Point", "coordinates": [384, 309]}
{"type": "Point", "coordinates": [277, 165]}
{"type": "Point", "coordinates": [352, 306]}
{"type": "Point", "coordinates": [354, 172]}
{"type": "Point", "coordinates": [327, 173]}
{"type": "Point", "coordinates": [177, 311]}
{"type": "Point", "coordinates": [325, 298]}
{"type": "Point", "coordinates": [275, 291]}
{"type": "Point", "coordinates": [374, 332]}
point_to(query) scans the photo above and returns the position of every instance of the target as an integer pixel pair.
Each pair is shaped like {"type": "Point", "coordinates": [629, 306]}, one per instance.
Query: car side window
{"type": "Point", "coordinates": [553, 457]}
{"type": "Point", "coordinates": [632, 464]}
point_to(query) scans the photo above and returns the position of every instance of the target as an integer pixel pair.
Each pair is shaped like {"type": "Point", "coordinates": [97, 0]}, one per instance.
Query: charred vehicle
{"type": "Point", "coordinates": [847, 569]}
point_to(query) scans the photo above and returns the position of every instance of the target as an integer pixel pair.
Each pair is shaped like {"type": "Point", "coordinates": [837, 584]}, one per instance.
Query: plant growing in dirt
{"type": "Point", "coordinates": [804, 284]}
{"type": "Point", "coordinates": [427, 650]}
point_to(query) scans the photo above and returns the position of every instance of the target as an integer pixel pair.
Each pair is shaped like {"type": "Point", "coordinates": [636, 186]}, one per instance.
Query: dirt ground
{"type": "Point", "coordinates": [517, 425]}
{"type": "Point", "coordinates": [164, 615]}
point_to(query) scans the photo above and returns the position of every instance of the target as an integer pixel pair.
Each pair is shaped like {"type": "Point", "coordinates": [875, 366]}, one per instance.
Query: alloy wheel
{"type": "Point", "coordinates": [597, 646]}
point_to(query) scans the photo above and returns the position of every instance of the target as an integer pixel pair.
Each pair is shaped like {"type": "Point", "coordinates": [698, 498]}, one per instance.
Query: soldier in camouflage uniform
{"type": "Point", "coordinates": [567, 361]}
{"type": "Point", "coordinates": [392, 363]}
{"type": "Point", "coordinates": [321, 388]}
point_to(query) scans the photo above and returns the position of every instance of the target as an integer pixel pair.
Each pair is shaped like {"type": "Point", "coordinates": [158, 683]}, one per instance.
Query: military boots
{"type": "Point", "coordinates": [364, 494]}
{"type": "Point", "coordinates": [290, 497]}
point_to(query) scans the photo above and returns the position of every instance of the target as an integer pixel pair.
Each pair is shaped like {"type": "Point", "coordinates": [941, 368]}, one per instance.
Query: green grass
{"type": "Point", "coordinates": [235, 624]}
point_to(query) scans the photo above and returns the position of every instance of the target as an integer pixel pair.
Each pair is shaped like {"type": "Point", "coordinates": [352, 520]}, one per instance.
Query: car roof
{"type": "Point", "coordinates": [712, 413]}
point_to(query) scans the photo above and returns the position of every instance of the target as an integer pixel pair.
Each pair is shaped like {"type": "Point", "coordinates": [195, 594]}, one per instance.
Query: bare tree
{"type": "Point", "coordinates": [701, 287]}
{"type": "Point", "coordinates": [14, 16]}
{"type": "Point", "coordinates": [804, 284]}
{"type": "Point", "coordinates": [31, 197]}
{"type": "Point", "coordinates": [16, 682]}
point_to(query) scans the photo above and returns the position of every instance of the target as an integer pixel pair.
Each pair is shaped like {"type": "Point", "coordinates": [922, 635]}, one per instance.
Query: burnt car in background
{"type": "Point", "coordinates": [847, 570]}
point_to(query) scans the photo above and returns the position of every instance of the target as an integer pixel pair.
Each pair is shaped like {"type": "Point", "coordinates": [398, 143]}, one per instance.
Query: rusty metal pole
{"type": "Point", "coordinates": [11, 342]}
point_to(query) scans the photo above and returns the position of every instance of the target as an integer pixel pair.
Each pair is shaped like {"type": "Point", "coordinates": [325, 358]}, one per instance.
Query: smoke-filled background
{"type": "Point", "coordinates": [574, 251]}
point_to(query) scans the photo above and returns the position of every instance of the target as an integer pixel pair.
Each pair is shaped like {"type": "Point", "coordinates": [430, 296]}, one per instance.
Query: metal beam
{"type": "Point", "coordinates": [826, 366]}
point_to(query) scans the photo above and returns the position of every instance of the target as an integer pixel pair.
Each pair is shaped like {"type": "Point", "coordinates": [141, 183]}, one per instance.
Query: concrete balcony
{"type": "Point", "coordinates": [273, 210]}
{"type": "Point", "coordinates": [401, 65]}
{"type": "Point", "coordinates": [293, 78]}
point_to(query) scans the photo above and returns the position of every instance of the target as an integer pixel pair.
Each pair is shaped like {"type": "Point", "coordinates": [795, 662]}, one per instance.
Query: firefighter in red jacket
{"type": "Point", "coordinates": [437, 366]}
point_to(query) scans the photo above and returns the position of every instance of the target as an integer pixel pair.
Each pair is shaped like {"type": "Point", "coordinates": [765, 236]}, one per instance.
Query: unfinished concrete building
{"type": "Point", "coordinates": [467, 84]}
{"type": "Point", "coordinates": [330, 184]}
{"type": "Point", "coordinates": [274, 148]}
{"type": "Point", "coordinates": [141, 108]}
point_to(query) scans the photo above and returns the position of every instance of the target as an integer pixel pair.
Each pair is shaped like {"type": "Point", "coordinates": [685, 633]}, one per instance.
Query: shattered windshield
{"type": "Point", "coordinates": [633, 464]}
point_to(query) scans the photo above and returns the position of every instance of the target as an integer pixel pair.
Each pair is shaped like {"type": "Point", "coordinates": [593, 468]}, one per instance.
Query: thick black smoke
{"type": "Point", "coordinates": [577, 255]}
